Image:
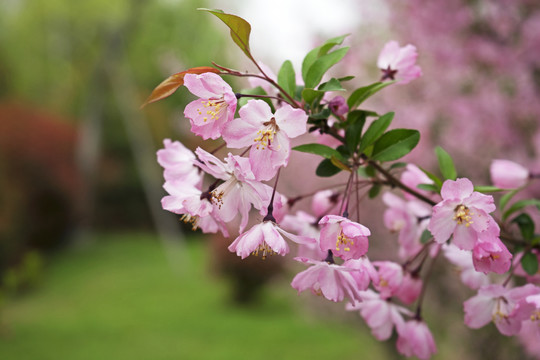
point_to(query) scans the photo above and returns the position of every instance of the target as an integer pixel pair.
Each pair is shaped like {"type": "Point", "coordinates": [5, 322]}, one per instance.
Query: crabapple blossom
{"type": "Point", "coordinates": [379, 314]}
{"type": "Point", "coordinates": [365, 272]}
{"type": "Point", "coordinates": [239, 189]}
{"type": "Point", "coordinates": [305, 224]}
{"type": "Point", "coordinates": [346, 239]}
{"type": "Point", "coordinates": [267, 134]}
{"type": "Point", "coordinates": [489, 253]}
{"type": "Point", "coordinates": [332, 281]}
{"type": "Point", "coordinates": [325, 202]}
{"type": "Point", "coordinates": [506, 307]}
{"type": "Point", "coordinates": [415, 339]}
{"type": "Point", "coordinates": [390, 278]}
{"type": "Point", "coordinates": [194, 205]}
{"type": "Point", "coordinates": [267, 239]}
{"type": "Point", "coordinates": [463, 213]}
{"type": "Point", "coordinates": [178, 163]}
{"type": "Point", "coordinates": [398, 63]}
{"type": "Point", "coordinates": [409, 218]}
{"type": "Point", "coordinates": [410, 288]}
{"type": "Point", "coordinates": [463, 262]}
{"type": "Point", "coordinates": [412, 177]}
{"type": "Point", "coordinates": [507, 174]}
{"type": "Point", "coordinates": [216, 106]}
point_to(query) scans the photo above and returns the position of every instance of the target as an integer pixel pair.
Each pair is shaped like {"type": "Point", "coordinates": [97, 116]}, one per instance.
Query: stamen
{"type": "Point", "coordinates": [342, 239]}
{"type": "Point", "coordinates": [266, 136]}
{"type": "Point", "coordinates": [462, 214]}
{"type": "Point", "coordinates": [265, 251]}
{"type": "Point", "coordinates": [189, 219]}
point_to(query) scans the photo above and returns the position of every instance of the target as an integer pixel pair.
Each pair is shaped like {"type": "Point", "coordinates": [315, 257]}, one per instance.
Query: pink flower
{"type": "Point", "coordinates": [414, 176]}
{"type": "Point", "coordinates": [462, 213]}
{"type": "Point", "coordinates": [216, 106]}
{"type": "Point", "coordinates": [415, 339]}
{"type": "Point", "coordinates": [365, 272]}
{"type": "Point", "coordinates": [507, 174]}
{"type": "Point", "coordinates": [265, 238]}
{"type": "Point", "coordinates": [268, 135]}
{"type": "Point", "coordinates": [462, 259]}
{"type": "Point", "coordinates": [304, 224]}
{"type": "Point", "coordinates": [325, 202]}
{"type": "Point", "coordinates": [390, 278]}
{"type": "Point", "coordinates": [178, 162]}
{"type": "Point", "coordinates": [398, 63]}
{"type": "Point", "coordinates": [489, 253]}
{"type": "Point", "coordinates": [239, 189]}
{"type": "Point", "coordinates": [196, 209]}
{"type": "Point", "coordinates": [410, 288]}
{"type": "Point", "coordinates": [332, 281]}
{"type": "Point", "coordinates": [379, 314]}
{"type": "Point", "coordinates": [507, 308]}
{"type": "Point", "coordinates": [346, 239]}
{"type": "Point", "coordinates": [409, 218]}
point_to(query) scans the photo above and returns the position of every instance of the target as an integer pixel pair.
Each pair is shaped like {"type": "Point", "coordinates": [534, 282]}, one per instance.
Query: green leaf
{"type": "Point", "coordinates": [438, 182]}
{"type": "Point", "coordinates": [319, 51]}
{"type": "Point", "coordinates": [529, 262]}
{"type": "Point", "coordinates": [446, 164]}
{"type": "Point", "coordinates": [395, 144]}
{"type": "Point", "coordinates": [362, 94]}
{"type": "Point", "coordinates": [355, 123]}
{"type": "Point", "coordinates": [426, 236]}
{"type": "Point", "coordinates": [322, 65]}
{"type": "Point", "coordinates": [311, 95]}
{"type": "Point", "coordinates": [487, 188]}
{"type": "Point", "coordinates": [526, 226]}
{"type": "Point", "coordinates": [346, 78]}
{"type": "Point", "coordinates": [323, 115]}
{"type": "Point", "coordinates": [375, 130]}
{"type": "Point", "coordinates": [332, 85]}
{"type": "Point", "coordinates": [287, 77]}
{"type": "Point", "coordinates": [240, 29]}
{"type": "Point", "coordinates": [506, 198]}
{"type": "Point", "coordinates": [428, 187]}
{"type": "Point", "coordinates": [327, 169]}
{"type": "Point", "coordinates": [518, 205]}
{"type": "Point", "coordinates": [318, 149]}
{"type": "Point", "coordinates": [330, 43]}
{"type": "Point", "coordinates": [397, 165]}
{"type": "Point", "coordinates": [374, 191]}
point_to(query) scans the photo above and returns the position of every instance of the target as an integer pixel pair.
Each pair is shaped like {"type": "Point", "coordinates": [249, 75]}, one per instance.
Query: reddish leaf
{"type": "Point", "coordinates": [173, 82]}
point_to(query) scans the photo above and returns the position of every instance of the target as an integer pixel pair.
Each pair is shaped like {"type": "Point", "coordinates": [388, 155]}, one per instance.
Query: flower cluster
{"type": "Point", "coordinates": [431, 215]}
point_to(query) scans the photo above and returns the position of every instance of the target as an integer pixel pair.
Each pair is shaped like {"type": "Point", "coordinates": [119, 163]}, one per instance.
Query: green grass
{"type": "Point", "coordinates": [119, 298]}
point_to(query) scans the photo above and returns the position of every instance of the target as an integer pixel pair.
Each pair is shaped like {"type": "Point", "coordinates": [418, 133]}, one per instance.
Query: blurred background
{"type": "Point", "coordinates": [91, 267]}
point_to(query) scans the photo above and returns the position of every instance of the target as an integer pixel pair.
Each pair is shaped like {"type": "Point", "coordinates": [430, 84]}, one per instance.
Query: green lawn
{"type": "Point", "coordinates": [119, 298]}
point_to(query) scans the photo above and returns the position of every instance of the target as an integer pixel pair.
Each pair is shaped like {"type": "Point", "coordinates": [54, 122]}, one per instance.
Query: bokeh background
{"type": "Point", "coordinates": [92, 268]}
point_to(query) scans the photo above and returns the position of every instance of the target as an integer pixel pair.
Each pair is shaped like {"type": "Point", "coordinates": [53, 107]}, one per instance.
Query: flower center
{"type": "Point", "coordinates": [264, 249]}
{"type": "Point", "coordinates": [463, 215]}
{"type": "Point", "coordinates": [218, 194]}
{"type": "Point", "coordinates": [535, 315]}
{"type": "Point", "coordinates": [342, 239]}
{"type": "Point", "coordinates": [214, 108]}
{"type": "Point", "coordinates": [190, 219]}
{"type": "Point", "coordinates": [265, 136]}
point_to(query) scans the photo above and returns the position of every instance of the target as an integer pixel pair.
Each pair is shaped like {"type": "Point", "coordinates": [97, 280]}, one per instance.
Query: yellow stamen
{"type": "Point", "coordinates": [265, 251]}
{"type": "Point", "coordinates": [342, 239]}
{"type": "Point", "coordinates": [463, 215]}
{"type": "Point", "coordinates": [266, 136]}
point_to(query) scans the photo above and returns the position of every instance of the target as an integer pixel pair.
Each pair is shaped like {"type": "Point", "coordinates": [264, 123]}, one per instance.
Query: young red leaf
{"type": "Point", "coordinates": [173, 82]}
